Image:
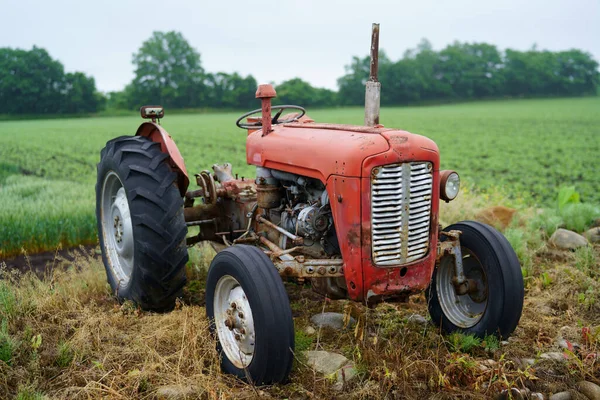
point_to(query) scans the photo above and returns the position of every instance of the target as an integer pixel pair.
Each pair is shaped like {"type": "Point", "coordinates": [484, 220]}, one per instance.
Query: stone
{"type": "Point", "coordinates": [497, 216]}
{"type": "Point", "coordinates": [331, 320]}
{"type": "Point", "coordinates": [592, 235]}
{"type": "Point", "coordinates": [526, 362]}
{"type": "Point", "coordinates": [332, 365]}
{"type": "Point", "coordinates": [560, 396]}
{"type": "Point", "coordinates": [504, 342]}
{"type": "Point", "coordinates": [564, 344]}
{"type": "Point", "coordinates": [309, 330]}
{"type": "Point", "coordinates": [417, 319]}
{"type": "Point", "coordinates": [513, 393]}
{"type": "Point", "coordinates": [555, 356]}
{"type": "Point", "coordinates": [567, 240]}
{"type": "Point", "coordinates": [175, 392]}
{"type": "Point", "coordinates": [536, 396]}
{"type": "Point", "coordinates": [589, 389]}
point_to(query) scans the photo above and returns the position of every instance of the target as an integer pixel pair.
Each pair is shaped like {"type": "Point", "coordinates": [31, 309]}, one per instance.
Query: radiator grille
{"type": "Point", "coordinates": [400, 212]}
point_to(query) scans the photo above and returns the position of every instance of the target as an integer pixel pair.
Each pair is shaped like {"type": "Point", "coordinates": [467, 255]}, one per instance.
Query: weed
{"type": "Point", "coordinates": [29, 393]}
{"type": "Point", "coordinates": [8, 300]}
{"type": "Point", "coordinates": [8, 345]}
{"type": "Point", "coordinates": [303, 341]}
{"type": "Point", "coordinates": [586, 260]}
{"type": "Point", "coordinates": [459, 342]}
{"type": "Point", "coordinates": [491, 343]}
{"type": "Point", "coordinates": [65, 355]}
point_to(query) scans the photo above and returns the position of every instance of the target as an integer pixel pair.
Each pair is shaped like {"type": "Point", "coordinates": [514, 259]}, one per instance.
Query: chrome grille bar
{"type": "Point", "coordinates": [400, 212]}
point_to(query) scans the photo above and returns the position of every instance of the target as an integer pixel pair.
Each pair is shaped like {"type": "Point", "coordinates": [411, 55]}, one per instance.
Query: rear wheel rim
{"type": "Point", "coordinates": [464, 311]}
{"type": "Point", "coordinates": [234, 321]}
{"type": "Point", "coordinates": [117, 229]}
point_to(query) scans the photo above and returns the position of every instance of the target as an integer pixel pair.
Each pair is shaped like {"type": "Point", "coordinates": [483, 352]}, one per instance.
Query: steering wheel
{"type": "Point", "coordinates": [274, 121]}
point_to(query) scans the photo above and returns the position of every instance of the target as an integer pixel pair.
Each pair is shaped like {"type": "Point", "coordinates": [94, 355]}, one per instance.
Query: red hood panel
{"type": "Point", "coordinates": [315, 151]}
{"type": "Point", "coordinates": [322, 150]}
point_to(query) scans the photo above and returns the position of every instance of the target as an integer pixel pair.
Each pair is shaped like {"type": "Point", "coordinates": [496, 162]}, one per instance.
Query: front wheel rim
{"type": "Point", "coordinates": [464, 311]}
{"type": "Point", "coordinates": [234, 322]}
{"type": "Point", "coordinates": [117, 228]}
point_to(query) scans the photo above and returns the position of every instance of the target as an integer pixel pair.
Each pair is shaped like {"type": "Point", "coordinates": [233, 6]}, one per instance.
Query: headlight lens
{"type": "Point", "coordinates": [450, 185]}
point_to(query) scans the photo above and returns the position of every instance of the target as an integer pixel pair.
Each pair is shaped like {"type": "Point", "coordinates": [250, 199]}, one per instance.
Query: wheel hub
{"type": "Point", "coordinates": [464, 305]}
{"type": "Point", "coordinates": [234, 321]}
{"type": "Point", "coordinates": [117, 228]}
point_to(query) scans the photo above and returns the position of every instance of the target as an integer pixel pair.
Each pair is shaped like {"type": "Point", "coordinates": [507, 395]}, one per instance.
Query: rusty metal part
{"type": "Point", "coordinates": [229, 233]}
{"type": "Point", "coordinates": [373, 87]}
{"type": "Point", "coordinates": [223, 172]}
{"type": "Point", "coordinates": [206, 181]}
{"type": "Point", "coordinates": [265, 93]}
{"type": "Point", "coordinates": [295, 239]}
{"type": "Point", "coordinates": [201, 212]}
{"type": "Point", "coordinates": [268, 196]}
{"type": "Point", "coordinates": [452, 247]}
{"type": "Point", "coordinates": [299, 267]}
{"type": "Point", "coordinates": [276, 250]}
{"type": "Point", "coordinates": [201, 222]}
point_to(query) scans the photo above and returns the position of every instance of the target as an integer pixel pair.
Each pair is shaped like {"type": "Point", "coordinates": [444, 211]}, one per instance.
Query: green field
{"type": "Point", "coordinates": [527, 148]}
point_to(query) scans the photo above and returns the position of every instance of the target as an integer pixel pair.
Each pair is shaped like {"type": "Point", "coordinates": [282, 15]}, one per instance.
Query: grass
{"type": "Point", "coordinates": [65, 336]}
{"type": "Point", "coordinates": [529, 148]}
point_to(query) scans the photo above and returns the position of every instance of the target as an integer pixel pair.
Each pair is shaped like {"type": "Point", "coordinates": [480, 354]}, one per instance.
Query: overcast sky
{"type": "Point", "coordinates": [278, 40]}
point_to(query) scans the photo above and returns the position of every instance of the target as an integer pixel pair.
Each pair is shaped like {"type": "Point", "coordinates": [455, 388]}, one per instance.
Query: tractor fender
{"type": "Point", "coordinates": [158, 134]}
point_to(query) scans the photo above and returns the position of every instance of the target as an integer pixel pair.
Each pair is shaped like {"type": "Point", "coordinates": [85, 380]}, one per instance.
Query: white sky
{"type": "Point", "coordinates": [278, 40]}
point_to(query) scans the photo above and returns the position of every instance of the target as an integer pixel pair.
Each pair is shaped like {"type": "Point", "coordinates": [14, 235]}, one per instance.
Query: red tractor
{"type": "Point", "coordinates": [351, 209]}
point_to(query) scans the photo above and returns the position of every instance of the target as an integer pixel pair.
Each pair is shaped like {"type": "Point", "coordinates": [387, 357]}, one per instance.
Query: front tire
{"type": "Point", "coordinates": [250, 315]}
{"type": "Point", "coordinates": [141, 227]}
{"type": "Point", "coordinates": [495, 307]}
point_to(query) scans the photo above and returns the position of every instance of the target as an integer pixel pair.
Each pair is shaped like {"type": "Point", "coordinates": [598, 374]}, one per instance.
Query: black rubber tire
{"type": "Point", "coordinates": [273, 322]}
{"type": "Point", "coordinates": [159, 229]}
{"type": "Point", "coordinates": [504, 280]}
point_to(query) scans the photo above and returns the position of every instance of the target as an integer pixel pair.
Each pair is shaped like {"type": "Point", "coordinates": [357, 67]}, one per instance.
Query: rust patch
{"type": "Point", "coordinates": [353, 236]}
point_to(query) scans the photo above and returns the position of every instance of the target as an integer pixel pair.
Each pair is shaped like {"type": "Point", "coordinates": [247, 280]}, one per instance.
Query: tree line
{"type": "Point", "coordinates": [168, 71]}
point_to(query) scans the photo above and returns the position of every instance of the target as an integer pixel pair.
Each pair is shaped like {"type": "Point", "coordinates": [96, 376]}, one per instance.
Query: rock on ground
{"type": "Point", "coordinates": [332, 364]}
{"type": "Point", "coordinates": [589, 389]}
{"type": "Point", "coordinates": [561, 396]}
{"type": "Point", "coordinates": [331, 320]}
{"type": "Point", "coordinates": [417, 319]}
{"type": "Point", "coordinates": [556, 356]}
{"type": "Point", "coordinates": [309, 330]}
{"type": "Point", "coordinates": [175, 392]}
{"type": "Point", "coordinates": [567, 240]}
{"type": "Point", "coordinates": [593, 235]}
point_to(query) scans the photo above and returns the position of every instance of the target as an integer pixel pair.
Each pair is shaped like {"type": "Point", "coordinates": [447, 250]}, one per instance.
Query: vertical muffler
{"type": "Point", "coordinates": [373, 87]}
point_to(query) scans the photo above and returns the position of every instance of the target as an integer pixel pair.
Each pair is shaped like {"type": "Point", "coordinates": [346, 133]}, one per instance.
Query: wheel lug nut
{"type": "Point", "coordinates": [237, 337]}
{"type": "Point", "coordinates": [233, 305]}
{"type": "Point", "coordinates": [241, 315]}
{"type": "Point", "coordinates": [243, 331]}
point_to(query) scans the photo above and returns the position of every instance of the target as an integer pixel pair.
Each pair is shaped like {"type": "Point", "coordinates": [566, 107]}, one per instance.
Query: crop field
{"type": "Point", "coordinates": [527, 148]}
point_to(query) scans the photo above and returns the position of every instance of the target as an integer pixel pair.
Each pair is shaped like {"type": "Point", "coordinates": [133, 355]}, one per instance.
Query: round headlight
{"type": "Point", "coordinates": [449, 185]}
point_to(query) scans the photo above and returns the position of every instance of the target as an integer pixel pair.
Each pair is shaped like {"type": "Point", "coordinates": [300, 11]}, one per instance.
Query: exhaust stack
{"type": "Point", "coordinates": [373, 87]}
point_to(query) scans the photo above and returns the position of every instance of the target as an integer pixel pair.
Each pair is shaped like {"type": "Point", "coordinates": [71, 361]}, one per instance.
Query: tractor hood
{"type": "Point", "coordinates": [320, 150]}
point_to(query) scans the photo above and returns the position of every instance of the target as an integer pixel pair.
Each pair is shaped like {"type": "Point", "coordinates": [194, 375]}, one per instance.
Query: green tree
{"type": "Point", "coordinates": [31, 82]}
{"type": "Point", "coordinates": [299, 92]}
{"type": "Point", "coordinates": [168, 71]}
{"type": "Point", "coordinates": [231, 91]}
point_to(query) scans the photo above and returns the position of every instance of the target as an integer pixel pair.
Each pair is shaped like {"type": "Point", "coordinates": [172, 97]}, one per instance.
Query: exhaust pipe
{"type": "Point", "coordinates": [373, 87]}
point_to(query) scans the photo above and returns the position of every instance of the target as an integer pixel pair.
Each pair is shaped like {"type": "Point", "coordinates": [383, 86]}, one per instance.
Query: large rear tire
{"type": "Point", "coordinates": [250, 315]}
{"type": "Point", "coordinates": [141, 227]}
{"type": "Point", "coordinates": [495, 307]}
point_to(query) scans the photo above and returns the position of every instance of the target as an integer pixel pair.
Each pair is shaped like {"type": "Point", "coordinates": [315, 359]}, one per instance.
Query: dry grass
{"type": "Point", "coordinates": [66, 337]}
